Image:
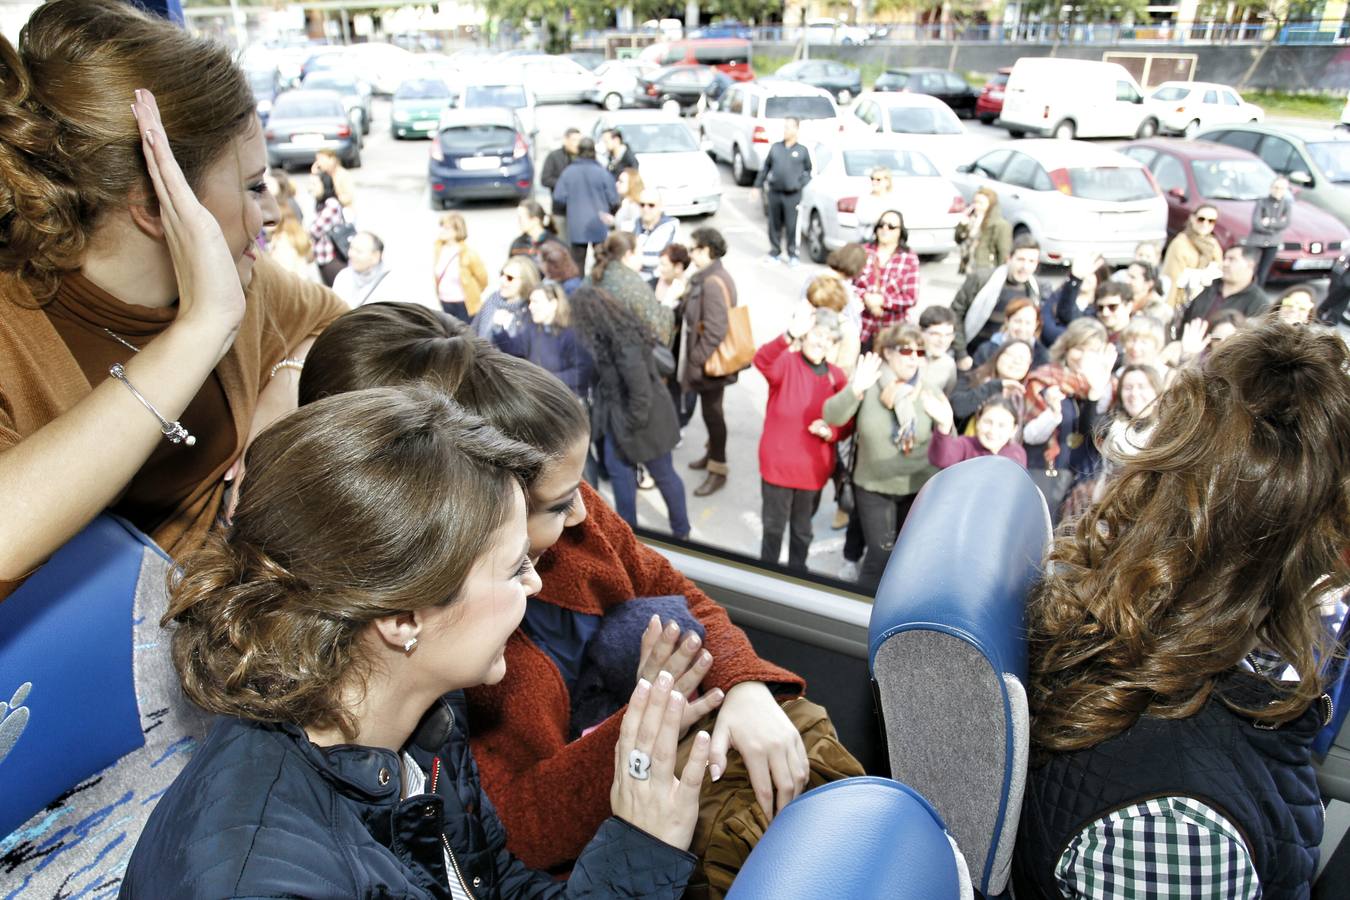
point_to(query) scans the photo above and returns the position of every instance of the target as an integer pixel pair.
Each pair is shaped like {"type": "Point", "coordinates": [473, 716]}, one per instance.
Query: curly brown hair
{"type": "Point", "coordinates": [70, 149]}
{"type": "Point", "coordinates": [356, 508]}
{"type": "Point", "coordinates": [1217, 536]}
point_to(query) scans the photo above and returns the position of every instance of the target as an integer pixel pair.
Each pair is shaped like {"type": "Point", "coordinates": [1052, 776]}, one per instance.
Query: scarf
{"type": "Point", "coordinates": [1074, 386]}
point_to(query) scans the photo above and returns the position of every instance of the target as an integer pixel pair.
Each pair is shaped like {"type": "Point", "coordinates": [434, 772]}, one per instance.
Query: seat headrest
{"type": "Point", "coordinates": [860, 838]}
{"type": "Point", "coordinates": [965, 561]}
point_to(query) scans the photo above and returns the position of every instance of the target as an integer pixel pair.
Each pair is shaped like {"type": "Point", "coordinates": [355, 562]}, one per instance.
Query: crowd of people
{"type": "Point", "coordinates": [440, 663]}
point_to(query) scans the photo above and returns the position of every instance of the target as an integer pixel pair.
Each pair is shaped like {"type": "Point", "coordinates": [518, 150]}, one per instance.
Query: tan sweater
{"type": "Point", "coordinates": [40, 379]}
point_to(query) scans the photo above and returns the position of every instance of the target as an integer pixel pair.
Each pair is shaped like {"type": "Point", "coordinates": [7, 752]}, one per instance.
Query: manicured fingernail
{"type": "Point", "coordinates": [664, 680]}
{"type": "Point", "coordinates": [717, 773]}
{"type": "Point", "coordinates": [643, 686]}
{"type": "Point", "coordinates": [705, 658]}
{"type": "Point", "coordinates": [150, 138]}
{"type": "Point", "coordinates": [692, 643]}
{"type": "Point", "coordinates": [135, 113]}
{"type": "Point", "coordinates": [676, 699]}
{"type": "Point", "coordinates": [673, 627]}
{"type": "Point", "coordinates": [655, 620]}
{"type": "Point", "coordinates": [702, 738]}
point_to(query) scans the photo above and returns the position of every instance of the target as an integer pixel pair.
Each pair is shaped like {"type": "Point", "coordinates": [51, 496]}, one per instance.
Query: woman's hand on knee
{"type": "Point", "coordinates": [682, 655]}
{"type": "Point", "coordinates": [646, 792]}
{"type": "Point", "coordinates": [754, 723]}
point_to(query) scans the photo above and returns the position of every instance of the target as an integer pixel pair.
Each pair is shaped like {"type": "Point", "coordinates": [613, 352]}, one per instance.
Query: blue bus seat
{"type": "Point", "coordinates": [948, 654]}
{"type": "Point", "coordinates": [862, 838]}
{"type": "Point", "coordinates": [93, 723]}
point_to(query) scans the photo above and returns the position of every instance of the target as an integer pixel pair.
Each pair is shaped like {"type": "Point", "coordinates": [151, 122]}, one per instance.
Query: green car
{"type": "Point", "coordinates": [417, 107]}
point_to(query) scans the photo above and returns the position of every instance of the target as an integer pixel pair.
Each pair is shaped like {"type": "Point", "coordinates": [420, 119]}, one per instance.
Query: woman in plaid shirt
{"type": "Point", "coordinates": [889, 281]}
{"type": "Point", "coordinates": [327, 214]}
{"type": "Point", "coordinates": [1170, 757]}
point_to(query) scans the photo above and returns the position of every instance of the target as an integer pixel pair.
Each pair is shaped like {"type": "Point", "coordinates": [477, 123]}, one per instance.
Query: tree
{"type": "Point", "coordinates": [557, 17]}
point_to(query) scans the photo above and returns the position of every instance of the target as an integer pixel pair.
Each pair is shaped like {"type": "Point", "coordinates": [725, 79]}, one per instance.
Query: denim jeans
{"type": "Point", "coordinates": [787, 508]}
{"type": "Point", "coordinates": [623, 476]}
{"type": "Point", "coordinates": [882, 516]}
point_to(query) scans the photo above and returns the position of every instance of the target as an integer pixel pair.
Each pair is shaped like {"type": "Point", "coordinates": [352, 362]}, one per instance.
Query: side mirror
{"type": "Point", "coordinates": [1301, 178]}
{"type": "Point", "coordinates": [1178, 193]}
{"type": "Point", "coordinates": [966, 168]}
{"type": "Point", "coordinates": [1138, 98]}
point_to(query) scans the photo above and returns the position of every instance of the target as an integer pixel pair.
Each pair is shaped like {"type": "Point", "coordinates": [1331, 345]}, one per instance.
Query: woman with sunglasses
{"type": "Point", "coordinates": [504, 308]}
{"type": "Point", "coordinates": [892, 430]}
{"type": "Point", "coordinates": [876, 201]}
{"type": "Point", "coordinates": [889, 280]}
{"type": "Point", "coordinates": [1193, 258]}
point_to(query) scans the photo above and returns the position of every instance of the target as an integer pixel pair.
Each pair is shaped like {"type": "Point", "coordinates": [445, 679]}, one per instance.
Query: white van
{"type": "Point", "coordinates": [1074, 98]}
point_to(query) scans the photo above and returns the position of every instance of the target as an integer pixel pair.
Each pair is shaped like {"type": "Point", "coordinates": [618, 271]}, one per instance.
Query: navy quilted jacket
{"type": "Point", "coordinates": [262, 812]}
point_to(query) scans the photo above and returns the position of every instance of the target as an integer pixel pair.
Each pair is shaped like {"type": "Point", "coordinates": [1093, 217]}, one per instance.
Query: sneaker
{"type": "Point", "coordinates": [771, 258]}
{"type": "Point", "coordinates": [793, 262]}
{"type": "Point", "coordinates": [645, 480]}
{"type": "Point", "coordinates": [848, 571]}
{"type": "Point", "coordinates": [840, 520]}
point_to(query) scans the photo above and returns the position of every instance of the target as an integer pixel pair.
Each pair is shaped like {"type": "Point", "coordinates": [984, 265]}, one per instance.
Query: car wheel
{"type": "Point", "coordinates": [1016, 133]}
{"type": "Point", "coordinates": [671, 106]}
{"type": "Point", "coordinates": [1065, 130]}
{"type": "Point", "coordinates": [1147, 128]}
{"type": "Point", "coordinates": [613, 101]}
{"type": "Point", "coordinates": [739, 172]}
{"type": "Point", "coordinates": [845, 95]}
{"type": "Point", "coordinates": [986, 119]}
{"type": "Point", "coordinates": [1191, 129]}
{"type": "Point", "coordinates": [353, 161]}
{"type": "Point", "coordinates": [815, 238]}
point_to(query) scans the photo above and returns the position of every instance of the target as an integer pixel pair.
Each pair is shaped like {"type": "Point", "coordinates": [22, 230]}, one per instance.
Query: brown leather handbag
{"type": "Point", "coordinates": [737, 349]}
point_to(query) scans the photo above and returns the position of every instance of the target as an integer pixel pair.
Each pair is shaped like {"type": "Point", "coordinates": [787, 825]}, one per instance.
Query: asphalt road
{"type": "Point", "coordinates": [393, 201]}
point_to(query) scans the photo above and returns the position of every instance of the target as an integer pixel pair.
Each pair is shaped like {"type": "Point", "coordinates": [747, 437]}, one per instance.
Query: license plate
{"type": "Point", "coordinates": [425, 125]}
{"type": "Point", "coordinates": [308, 140]}
{"type": "Point", "coordinates": [1305, 264]}
{"type": "Point", "coordinates": [479, 163]}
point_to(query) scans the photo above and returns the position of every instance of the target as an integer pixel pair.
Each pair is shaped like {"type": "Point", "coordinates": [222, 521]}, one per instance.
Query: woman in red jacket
{"type": "Point", "coordinates": [796, 448]}
{"type": "Point", "coordinates": [551, 791]}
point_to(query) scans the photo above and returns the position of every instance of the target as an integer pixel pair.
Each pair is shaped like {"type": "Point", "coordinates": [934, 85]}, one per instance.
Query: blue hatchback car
{"type": "Point", "coordinates": [479, 153]}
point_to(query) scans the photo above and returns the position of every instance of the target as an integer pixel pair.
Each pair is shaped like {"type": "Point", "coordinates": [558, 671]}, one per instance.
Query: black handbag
{"type": "Point", "coordinates": [845, 499]}
{"type": "Point", "coordinates": [664, 359]}
{"type": "Point", "coordinates": [341, 236]}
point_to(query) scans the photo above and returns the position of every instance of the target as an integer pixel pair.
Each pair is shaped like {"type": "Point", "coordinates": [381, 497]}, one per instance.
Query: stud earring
{"type": "Point", "coordinates": [409, 644]}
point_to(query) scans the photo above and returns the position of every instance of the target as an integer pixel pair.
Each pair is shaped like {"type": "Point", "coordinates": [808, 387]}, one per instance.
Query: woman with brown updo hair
{"type": "Point", "coordinates": [129, 258]}
{"type": "Point", "coordinates": [377, 566]}
{"type": "Point", "coordinates": [1178, 638]}
{"type": "Point", "coordinates": [617, 270]}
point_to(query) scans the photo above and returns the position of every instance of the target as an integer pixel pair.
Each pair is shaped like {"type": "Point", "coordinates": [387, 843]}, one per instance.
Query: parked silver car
{"type": "Point", "coordinates": [1316, 160]}
{"type": "Point", "coordinates": [829, 214]}
{"type": "Point", "coordinates": [355, 93]}
{"type": "Point", "coordinates": [555, 79]}
{"type": "Point", "coordinates": [740, 127]}
{"type": "Point", "coordinates": [303, 123]}
{"type": "Point", "coordinates": [1073, 197]}
{"type": "Point", "coordinates": [616, 84]}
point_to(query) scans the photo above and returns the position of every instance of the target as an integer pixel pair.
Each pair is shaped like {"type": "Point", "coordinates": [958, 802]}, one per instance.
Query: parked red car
{"type": "Point", "coordinates": [989, 105]}
{"type": "Point", "coordinates": [729, 55]}
{"type": "Point", "coordinates": [1195, 173]}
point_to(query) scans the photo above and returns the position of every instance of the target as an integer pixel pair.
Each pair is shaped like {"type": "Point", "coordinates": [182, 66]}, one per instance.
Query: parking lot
{"type": "Point", "coordinates": [393, 201]}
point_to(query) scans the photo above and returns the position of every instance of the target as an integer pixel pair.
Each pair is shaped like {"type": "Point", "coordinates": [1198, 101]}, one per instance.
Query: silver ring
{"type": "Point", "coordinates": [639, 765]}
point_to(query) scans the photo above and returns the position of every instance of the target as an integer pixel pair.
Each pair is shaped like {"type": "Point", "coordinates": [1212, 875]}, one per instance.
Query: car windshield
{"type": "Point", "coordinates": [427, 89]}
{"type": "Point", "coordinates": [1232, 179]}
{"type": "Point", "coordinates": [999, 80]}
{"type": "Point", "coordinates": [511, 96]}
{"type": "Point", "coordinates": [902, 163]}
{"type": "Point", "coordinates": [892, 79]}
{"type": "Point", "coordinates": [298, 106]}
{"type": "Point", "coordinates": [475, 138]}
{"type": "Point", "coordinates": [923, 120]}
{"type": "Point", "coordinates": [1169, 94]}
{"type": "Point", "coordinates": [330, 81]}
{"type": "Point", "coordinates": [1333, 158]}
{"type": "Point", "coordinates": [1118, 185]}
{"type": "Point", "coordinates": [798, 107]}
{"type": "Point", "coordinates": [664, 137]}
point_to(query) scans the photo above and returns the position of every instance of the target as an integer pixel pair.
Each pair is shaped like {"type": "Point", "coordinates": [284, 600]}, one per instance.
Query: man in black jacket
{"type": "Point", "coordinates": [1235, 289]}
{"type": "Point", "coordinates": [554, 164]}
{"type": "Point", "coordinates": [620, 154]}
{"type": "Point", "coordinates": [785, 172]}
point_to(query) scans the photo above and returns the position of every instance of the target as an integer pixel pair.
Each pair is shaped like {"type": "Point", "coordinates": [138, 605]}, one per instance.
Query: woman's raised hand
{"type": "Point", "coordinates": [209, 289]}
{"type": "Point", "coordinates": [802, 320]}
{"type": "Point", "coordinates": [1194, 338]}
{"type": "Point", "coordinates": [939, 409]}
{"type": "Point", "coordinates": [866, 373]}
{"type": "Point", "coordinates": [681, 655]}
{"type": "Point", "coordinates": [646, 792]}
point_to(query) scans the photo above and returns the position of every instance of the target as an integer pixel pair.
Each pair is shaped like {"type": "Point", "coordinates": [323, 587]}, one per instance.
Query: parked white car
{"type": "Point", "coordinates": [669, 159]}
{"type": "Point", "coordinates": [556, 79]}
{"type": "Point", "coordinates": [1073, 197]}
{"type": "Point", "coordinates": [498, 89]}
{"type": "Point", "coordinates": [615, 84]}
{"type": "Point", "coordinates": [930, 202]}
{"type": "Point", "coordinates": [1185, 107]}
{"type": "Point", "coordinates": [1069, 98]}
{"type": "Point", "coordinates": [825, 30]}
{"type": "Point", "coordinates": [915, 120]}
{"type": "Point", "coordinates": [748, 119]}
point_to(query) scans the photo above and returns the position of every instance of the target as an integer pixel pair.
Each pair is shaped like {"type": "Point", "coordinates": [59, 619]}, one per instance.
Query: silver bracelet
{"type": "Point", "coordinates": [174, 431]}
